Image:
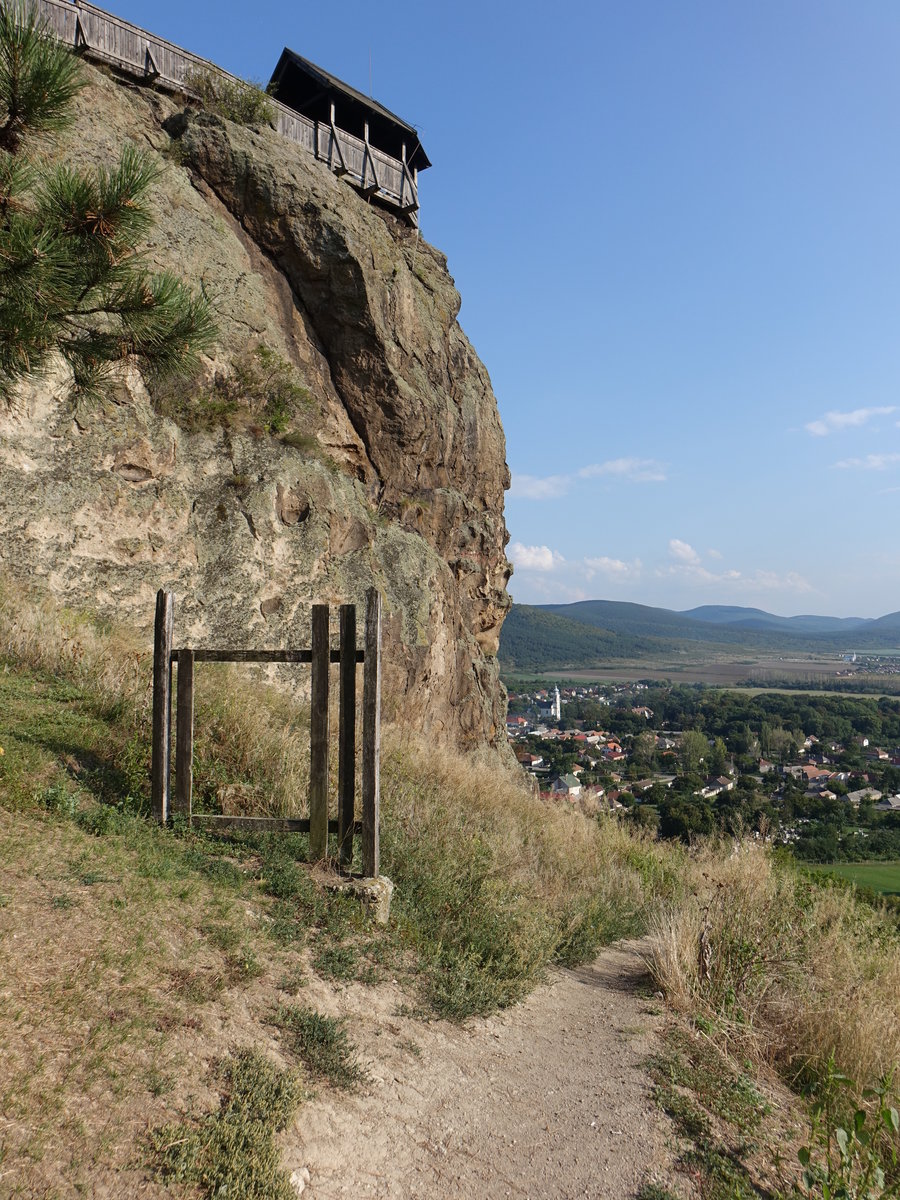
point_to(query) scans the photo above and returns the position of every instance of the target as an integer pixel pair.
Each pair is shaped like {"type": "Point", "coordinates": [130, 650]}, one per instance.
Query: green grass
{"type": "Point", "coordinates": [713, 1107]}
{"type": "Point", "coordinates": [232, 1152]}
{"type": "Point", "coordinates": [322, 1043]}
{"type": "Point", "coordinates": [883, 877]}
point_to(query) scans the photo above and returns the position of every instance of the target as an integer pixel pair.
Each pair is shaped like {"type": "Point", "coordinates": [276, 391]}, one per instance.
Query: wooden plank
{"type": "Point", "coordinates": [347, 735]}
{"type": "Point", "coordinates": [184, 734]}
{"type": "Point", "coordinates": [318, 736]}
{"type": "Point", "coordinates": [262, 824]}
{"type": "Point", "coordinates": [162, 703]}
{"type": "Point", "coordinates": [260, 656]}
{"type": "Point", "coordinates": [371, 737]}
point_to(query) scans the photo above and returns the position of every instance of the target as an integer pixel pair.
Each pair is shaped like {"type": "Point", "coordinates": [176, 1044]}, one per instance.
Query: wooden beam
{"type": "Point", "coordinates": [336, 145]}
{"type": "Point", "coordinates": [347, 747]}
{"type": "Point", "coordinates": [371, 735]}
{"type": "Point", "coordinates": [369, 189]}
{"type": "Point", "coordinates": [318, 736]}
{"type": "Point", "coordinates": [162, 703]}
{"type": "Point", "coordinates": [259, 656]}
{"type": "Point", "coordinates": [184, 734]}
{"type": "Point", "coordinates": [262, 824]}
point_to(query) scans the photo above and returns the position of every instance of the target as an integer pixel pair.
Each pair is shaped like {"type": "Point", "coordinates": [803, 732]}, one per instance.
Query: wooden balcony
{"type": "Point", "coordinates": [100, 35]}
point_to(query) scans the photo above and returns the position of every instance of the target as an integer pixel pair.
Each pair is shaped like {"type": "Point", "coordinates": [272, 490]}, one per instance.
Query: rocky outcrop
{"type": "Point", "coordinates": [398, 479]}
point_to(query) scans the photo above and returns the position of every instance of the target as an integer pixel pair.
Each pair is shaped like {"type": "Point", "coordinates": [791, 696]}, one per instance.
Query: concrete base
{"type": "Point", "coordinates": [373, 893]}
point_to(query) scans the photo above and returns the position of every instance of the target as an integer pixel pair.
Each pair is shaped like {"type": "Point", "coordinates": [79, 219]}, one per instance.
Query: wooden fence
{"type": "Point", "coordinates": [101, 35]}
{"type": "Point", "coordinates": [319, 656]}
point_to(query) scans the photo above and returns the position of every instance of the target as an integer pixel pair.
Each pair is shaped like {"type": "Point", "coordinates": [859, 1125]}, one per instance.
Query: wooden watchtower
{"type": "Point", "coordinates": [377, 151]}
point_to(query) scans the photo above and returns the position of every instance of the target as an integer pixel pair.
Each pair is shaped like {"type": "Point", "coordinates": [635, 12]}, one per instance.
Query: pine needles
{"type": "Point", "coordinates": [72, 281]}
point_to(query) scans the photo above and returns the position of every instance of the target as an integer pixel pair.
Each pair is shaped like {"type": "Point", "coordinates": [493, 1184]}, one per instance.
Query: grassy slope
{"type": "Point", "coordinates": [140, 964]}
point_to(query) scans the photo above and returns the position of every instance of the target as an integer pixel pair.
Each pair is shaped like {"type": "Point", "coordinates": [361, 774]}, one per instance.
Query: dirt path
{"type": "Point", "coordinates": [548, 1100]}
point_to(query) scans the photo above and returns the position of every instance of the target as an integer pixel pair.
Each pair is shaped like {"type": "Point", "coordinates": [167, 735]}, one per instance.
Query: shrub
{"type": "Point", "coordinates": [261, 391]}
{"type": "Point", "coordinates": [243, 101]}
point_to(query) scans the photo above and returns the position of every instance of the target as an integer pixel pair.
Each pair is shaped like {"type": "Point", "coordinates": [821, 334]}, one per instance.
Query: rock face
{"type": "Point", "coordinates": [399, 481]}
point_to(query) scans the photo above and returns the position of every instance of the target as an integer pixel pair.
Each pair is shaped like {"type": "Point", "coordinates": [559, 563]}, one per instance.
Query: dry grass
{"type": "Point", "coordinates": [797, 972]}
{"type": "Point", "coordinates": [246, 732]}
{"type": "Point", "coordinates": [493, 884]}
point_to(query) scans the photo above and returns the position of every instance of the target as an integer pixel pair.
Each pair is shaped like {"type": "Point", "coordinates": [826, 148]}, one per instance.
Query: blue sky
{"type": "Point", "coordinates": [676, 232]}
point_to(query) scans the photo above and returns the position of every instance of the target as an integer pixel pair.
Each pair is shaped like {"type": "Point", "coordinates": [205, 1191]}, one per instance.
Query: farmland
{"type": "Point", "coordinates": [881, 877]}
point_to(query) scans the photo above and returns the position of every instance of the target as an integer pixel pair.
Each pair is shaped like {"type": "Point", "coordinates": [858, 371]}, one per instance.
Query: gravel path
{"type": "Point", "coordinates": [547, 1100]}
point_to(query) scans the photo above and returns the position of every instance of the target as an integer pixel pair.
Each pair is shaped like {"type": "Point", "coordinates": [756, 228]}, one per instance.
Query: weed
{"type": "Point", "coordinates": [286, 880]}
{"type": "Point", "coordinates": [159, 1082]}
{"type": "Point", "coordinates": [853, 1138]}
{"type": "Point", "coordinates": [284, 927]}
{"type": "Point", "coordinates": [174, 152]}
{"type": "Point", "coordinates": [244, 967]}
{"type": "Point", "coordinates": [232, 1152]}
{"type": "Point", "coordinates": [59, 800]}
{"type": "Point", "coordinates": [337, 962]}
{"type": "Point", "coordinates": [797, 972]}
{"type": "Point", "coordinates": [694, 1082]}
{"type": "Point", "coordinates": [222, 937]}
{"type": "Point", "coordinates": [261, 392]}
{"type": "Point", "coordinates": [293, 980]}
{"type": "Point", "coordinates": [652, 1191]}
{"type": "Point", "coordinates": [696, 1064]}
{"type": "Point", "coordinates": [197, 986]}
{"type": "Point", "coordinates": [305, 442]}
{"type": "Point", "coordinates": [322, 1043]}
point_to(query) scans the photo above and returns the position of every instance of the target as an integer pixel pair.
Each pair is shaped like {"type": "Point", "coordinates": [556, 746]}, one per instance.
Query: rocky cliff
{"type": "Point", "coordinates": [344, 434]}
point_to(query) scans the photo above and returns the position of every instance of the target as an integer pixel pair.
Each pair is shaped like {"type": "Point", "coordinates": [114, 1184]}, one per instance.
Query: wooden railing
{"type": "Point", "coordinates": [98, 34]}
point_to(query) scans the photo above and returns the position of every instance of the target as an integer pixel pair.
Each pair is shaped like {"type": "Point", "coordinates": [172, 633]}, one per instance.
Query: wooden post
{"type": "Point", "coordinates": [371, 734]}
{"type": "Point", "coordinates": [184, 734]}
{"type": "Point", "coordinates": [347, 747]}
{"type": "Point", "coordinates": [318, 736]}
{"type": "Point", "coordinates": [162, 703]}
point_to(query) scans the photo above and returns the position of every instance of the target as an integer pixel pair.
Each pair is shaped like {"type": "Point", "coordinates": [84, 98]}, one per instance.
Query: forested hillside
{"type": "Point", "coordinates": [590, 632]}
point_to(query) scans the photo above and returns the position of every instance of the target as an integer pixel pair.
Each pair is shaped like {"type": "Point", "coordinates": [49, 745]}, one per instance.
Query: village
{"type": "Point", "coordinates": [681, 781]}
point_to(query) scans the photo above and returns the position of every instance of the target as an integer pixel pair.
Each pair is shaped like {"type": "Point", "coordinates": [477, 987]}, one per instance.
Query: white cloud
{"type": "Point", "coordinates": [772, 582]}
{"type": "Point", "coordinates": [834, 422]}
{"type": "Point", "coordinates": [532, 487]}
{"type": "Point", "coordinates": [633, 470]}
{"type": "Point", "coordinates": [766, 581]}
{"type": "Point", "coordinates": [683, 552]}
{"type": "Point", "coordinates": [714, 554]}
{"type": "Point", "coordinates": [871, 462]}
{"type": "Point", "coordinates": [552, 487]}
{"type": "Point", "coordinates": [614, 569]}
{"type": "Point", "coordinates": [534, 558]}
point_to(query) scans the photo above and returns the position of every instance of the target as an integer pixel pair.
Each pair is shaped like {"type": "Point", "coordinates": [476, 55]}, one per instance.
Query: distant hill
{"type": "Point", "coordinates": [534, 639]}
{"type": "Point", "coordinates": [756, 618]}
{"type": "Point", "coordinates": [887, 624]}
{"type": "Point", "coordinates": [590, 632]}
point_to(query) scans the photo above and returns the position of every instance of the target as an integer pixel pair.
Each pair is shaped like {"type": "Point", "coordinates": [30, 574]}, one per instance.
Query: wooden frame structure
{"type": "Point", "coordinates": [100, 35]}
{"type": "Point", "coordinates": [320, 656]}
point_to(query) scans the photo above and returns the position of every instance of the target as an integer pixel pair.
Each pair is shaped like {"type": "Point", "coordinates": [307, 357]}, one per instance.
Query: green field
{"type": "Point", "coordinates": [882, 877]}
